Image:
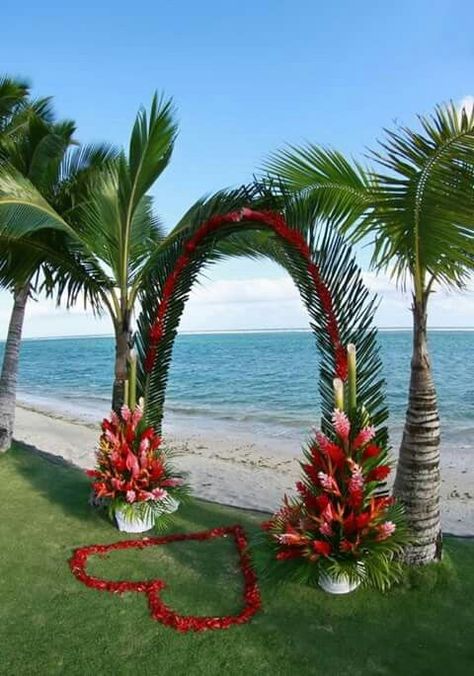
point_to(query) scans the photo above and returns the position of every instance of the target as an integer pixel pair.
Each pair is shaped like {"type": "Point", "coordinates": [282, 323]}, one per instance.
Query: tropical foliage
{"type": "Point", "coordinates": [132, 468]}
{"type": "Point", "coordinates": [325, 252]}
{"type": "Point", "coordinates": [418, 211]}
{"type": "Point", "coordinates": [40, 153]}
{"type": "Point", "coordinates": [342, 522]}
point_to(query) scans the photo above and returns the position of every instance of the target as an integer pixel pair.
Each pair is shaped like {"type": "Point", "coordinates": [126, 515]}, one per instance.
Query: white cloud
{"type": "Point", "coordinates": [251, 303]}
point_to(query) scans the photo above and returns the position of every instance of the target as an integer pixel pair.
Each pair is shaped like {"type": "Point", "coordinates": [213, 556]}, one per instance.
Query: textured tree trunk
{"type": "Point", "coordinates": [123, 339]}
{"type": "Point", "coordinates": [9, 376]}
{"type": "Point", "coordinates": [417, 483]}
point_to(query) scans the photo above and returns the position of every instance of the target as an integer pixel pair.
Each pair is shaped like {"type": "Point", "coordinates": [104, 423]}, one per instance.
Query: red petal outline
{"type": "Point", "coordinates": [277, 223]}
{"type": "Point", "coordinates": [159, 610]}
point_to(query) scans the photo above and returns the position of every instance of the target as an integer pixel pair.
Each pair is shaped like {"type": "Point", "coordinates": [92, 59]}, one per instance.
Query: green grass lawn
{"type": "Point", "coordinates": [52, 624]}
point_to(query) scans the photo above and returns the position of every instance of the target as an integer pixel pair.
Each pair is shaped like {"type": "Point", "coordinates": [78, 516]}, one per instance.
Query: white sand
{"type": "Point", "coordinates": [239, 471]}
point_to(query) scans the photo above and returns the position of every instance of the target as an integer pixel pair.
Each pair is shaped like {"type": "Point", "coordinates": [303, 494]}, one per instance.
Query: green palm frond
{"type": "Point", "coordinates": [13, 91]}
{"type": "Point", "coordinates": [340, 186]}
{"type": "Point", "coordinates": [151, 145]}
{"type": "Point", "coordinates": [423, 216]}
{"type": "Point", "coordinates": [23, 210]}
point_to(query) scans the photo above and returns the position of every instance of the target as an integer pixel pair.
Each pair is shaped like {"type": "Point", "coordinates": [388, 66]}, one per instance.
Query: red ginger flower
{"type": "Point", "coordinates": [379, 473]}
{"type": "Point", "coordinates": [372, 451]}
{"type": "Point", "coordinates": [322, 547]}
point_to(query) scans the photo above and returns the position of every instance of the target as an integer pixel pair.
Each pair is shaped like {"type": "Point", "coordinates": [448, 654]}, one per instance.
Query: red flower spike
{"type": "Point", "coordinates": [322, 547]}
{"type": "Point", "coordinates": [379, 473]}
{"type": "Point", "coordinates": [158, 609]}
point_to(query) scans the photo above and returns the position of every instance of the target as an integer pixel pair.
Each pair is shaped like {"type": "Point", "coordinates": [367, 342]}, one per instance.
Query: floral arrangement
{"type": "Point", "coordinates": [133, 473]}
{"type": "Point", "coordinates": [342, 521]}
{"type": "Point", "coordinates": [159, 610]}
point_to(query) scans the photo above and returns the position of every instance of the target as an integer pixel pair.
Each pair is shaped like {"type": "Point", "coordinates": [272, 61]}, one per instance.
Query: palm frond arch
{"type": "Point", "coordinates": [322, 265]}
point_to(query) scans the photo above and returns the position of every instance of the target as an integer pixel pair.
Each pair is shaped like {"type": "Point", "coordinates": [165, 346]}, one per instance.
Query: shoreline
{"type": "Point", "coordinates": [238, 470]}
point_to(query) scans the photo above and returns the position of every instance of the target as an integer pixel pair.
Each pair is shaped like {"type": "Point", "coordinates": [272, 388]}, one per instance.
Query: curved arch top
{"type": "Point", "coordinates": [291, 236]}
{"type": "Point", "coordinates": [330, 285]}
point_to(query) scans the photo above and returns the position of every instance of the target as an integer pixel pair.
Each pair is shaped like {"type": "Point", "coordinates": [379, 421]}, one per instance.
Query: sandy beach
{"type": "Point", "coordinates": [238, 470]}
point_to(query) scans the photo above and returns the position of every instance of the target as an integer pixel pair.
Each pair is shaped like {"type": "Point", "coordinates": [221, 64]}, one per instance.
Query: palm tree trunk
{"type": "Point", "coordinates": [417, 483]}
{"type": "Point", "coordinates": [123, 339]}
{"type": "Point", "coordinates": [9, 375]}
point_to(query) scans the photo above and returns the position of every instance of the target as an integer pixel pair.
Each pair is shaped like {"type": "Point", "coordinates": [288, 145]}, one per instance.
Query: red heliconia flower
{"type": "Point", "coordinates": [322, 547]}
{"type": "Point", "coordinates": [379, 473]}
{"type": "Point", "coordinates": [329, 448]}
{"type": "Point", "coordinates": [311, 472]}
{"type": "Point", "coordinates": [371, 451]}
{"type": "Point", "coordinates": [322, 501]}
{"type": "Point", "coordinates": [362, 520]}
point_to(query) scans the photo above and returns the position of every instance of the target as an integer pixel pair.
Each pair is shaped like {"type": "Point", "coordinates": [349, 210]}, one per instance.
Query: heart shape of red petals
{"type": "Point", "coordinates": [159, 610]}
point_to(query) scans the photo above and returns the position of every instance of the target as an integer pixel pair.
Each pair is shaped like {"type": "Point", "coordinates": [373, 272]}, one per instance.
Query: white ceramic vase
{"type": "Point", "coordinates": [341, 585]}
{"type": "Point", "coordinates": [133, 523]}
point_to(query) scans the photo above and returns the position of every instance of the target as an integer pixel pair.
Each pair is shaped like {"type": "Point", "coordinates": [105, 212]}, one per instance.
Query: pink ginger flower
{"type": "Point", "coordinates": [323, 442]}
{"type": "Point", "coordinates": [172, 482]}
{"type": "Point", "coordinates": [159, 494]}
{"type": "Point", "coordinates": [137, 415]}
{"type": "Point", "coordinates": [132, 464]}
{"type": "Point", "coordinates": [126, 413]}
{"type": "Point", "coordinates": [385, 530]}
{"type": "Point", "coordinates": [341, 424]}
{"type": "Point", "coordinates": [365, 435]}
{"type": "Point", "coordinates": [131, 496]}
{"type": "Point", "coordinates": [356, 481]}
{"type": "Point", "coordinates": [144, 445]}
{"type": "Point", "coordinates": [114, 419]}
{"type": "Point", "coordinates": [326, 529]}
{"type": "Point", "coordinates": [112, 437]}
{"type": "Point", "coordinates": [328, 483]}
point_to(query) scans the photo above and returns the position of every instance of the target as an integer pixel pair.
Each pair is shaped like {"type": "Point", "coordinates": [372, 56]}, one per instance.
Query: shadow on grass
{"type": "Point", "coordinates": [55, 479]}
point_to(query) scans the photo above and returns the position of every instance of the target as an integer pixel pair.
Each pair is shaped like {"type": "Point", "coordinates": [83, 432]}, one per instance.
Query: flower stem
{"type": "Point", "coordinates": [338, 393]}
{"type": "Point", "coordinates": [351, 362]}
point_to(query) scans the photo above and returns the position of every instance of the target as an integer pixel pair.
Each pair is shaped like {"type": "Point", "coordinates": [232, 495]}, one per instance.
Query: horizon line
{"type": "Point", "coordinates": [240, 331]}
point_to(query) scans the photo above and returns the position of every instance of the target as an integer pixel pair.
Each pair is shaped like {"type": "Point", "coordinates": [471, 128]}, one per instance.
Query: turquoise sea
{"type": "Point", "coordinates": [263, 383]}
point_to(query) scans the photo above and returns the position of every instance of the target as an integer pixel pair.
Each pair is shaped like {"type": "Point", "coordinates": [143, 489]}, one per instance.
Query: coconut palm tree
{"type": "Point", "coordinates": [40, 151]}
{"type": "Point", "coordinates": [419, 210]}
{"type": "Point", "coordinates": [108, 237]}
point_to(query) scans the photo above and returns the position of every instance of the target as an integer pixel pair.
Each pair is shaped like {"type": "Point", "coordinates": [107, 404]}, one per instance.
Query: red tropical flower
{"type": "Point", "coordinates": [322, 547]}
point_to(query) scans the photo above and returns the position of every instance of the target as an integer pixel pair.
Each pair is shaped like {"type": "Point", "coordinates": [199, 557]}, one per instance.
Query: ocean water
{"type": "Point", "coordinates": [262, 383]}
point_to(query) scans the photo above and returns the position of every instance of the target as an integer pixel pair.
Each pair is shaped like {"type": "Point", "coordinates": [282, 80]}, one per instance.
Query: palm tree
{"type": "Point", "coordinates": [108, 237]}
{"type": "Point", "coordinates": [39, 151]}
{"type": "Point", "coordinates": [419, 210]}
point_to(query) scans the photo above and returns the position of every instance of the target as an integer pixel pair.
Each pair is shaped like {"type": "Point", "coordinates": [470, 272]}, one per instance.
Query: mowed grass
{"type": "Point", "coordinates": [52, 624]}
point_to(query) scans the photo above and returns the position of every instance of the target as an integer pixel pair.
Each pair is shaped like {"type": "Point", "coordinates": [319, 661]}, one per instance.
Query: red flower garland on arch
{"type": "Point", "coordinates": [159, 610]}
{"type": "Point", "coordinates": [278, 224]}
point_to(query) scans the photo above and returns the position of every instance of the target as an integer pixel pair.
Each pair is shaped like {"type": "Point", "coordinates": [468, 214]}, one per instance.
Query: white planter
{"type": "Point", "coordinates": [171, 505]}
{"type": "Point", "coordinates": [341, 585]}
{"type": "Point", "coordinates": [133, 523]}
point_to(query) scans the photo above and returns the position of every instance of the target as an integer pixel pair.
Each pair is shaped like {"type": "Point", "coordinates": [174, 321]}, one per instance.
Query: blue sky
{"type": "Point", "coordinates": [246, 77]}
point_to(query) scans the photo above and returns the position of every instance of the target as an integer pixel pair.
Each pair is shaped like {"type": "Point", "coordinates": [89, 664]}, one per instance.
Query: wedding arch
{"type": "Point", "coordinates": [323, 267]}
